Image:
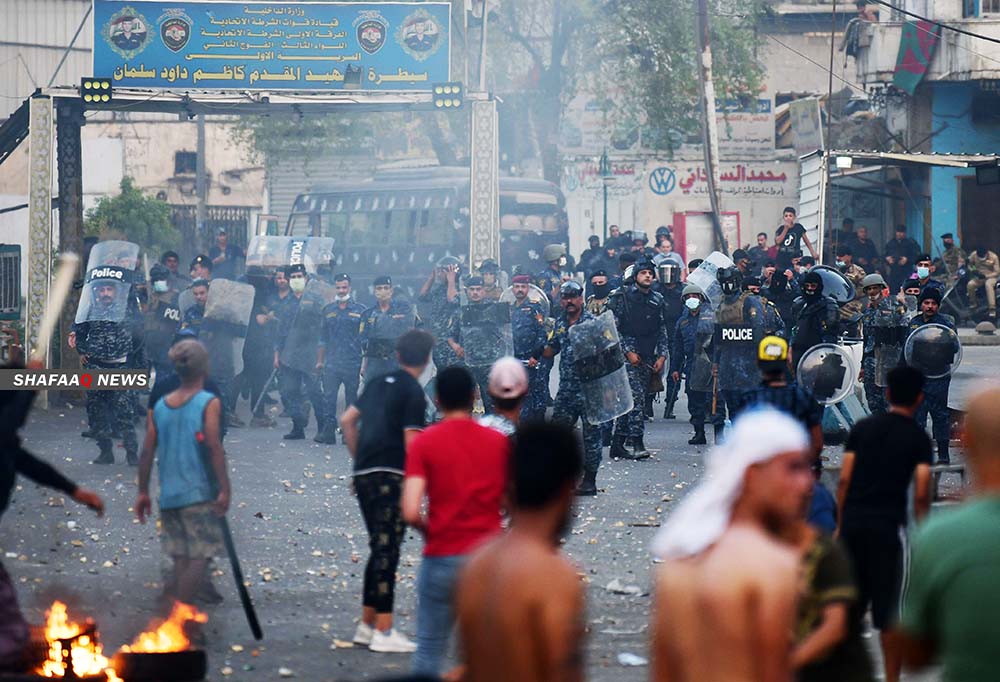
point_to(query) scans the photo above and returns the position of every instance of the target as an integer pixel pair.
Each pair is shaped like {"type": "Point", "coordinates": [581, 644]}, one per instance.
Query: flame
{"type": "Point", "coordinates": [86, 653]}
{"type": "Point", "coordinates": [169, 635]}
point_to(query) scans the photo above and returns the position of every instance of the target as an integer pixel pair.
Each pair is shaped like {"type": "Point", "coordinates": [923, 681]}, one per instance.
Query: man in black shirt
{"type": "Point", "coordinates": [391, 412]}
{"type": "Point", "coordinates": [789, 238]}
{"type": "Point", "coordinates": [882, 454]}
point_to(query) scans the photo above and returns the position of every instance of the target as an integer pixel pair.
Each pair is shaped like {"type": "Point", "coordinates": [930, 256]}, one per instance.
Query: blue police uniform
{"type": "Point", "coordinates": [881, 326]}
{"type": "Point", "coordinates": [569, 399]}
{"type": "Point", "coordinates": [641, 319]}
{"type": "Point", "coordinates": [295, 385]}
{"type": "Point", "coordinates": [380, 352]}
{"type": "Point", "coordinates": [690, 335]}
{"type": "Point", "coordinates": [739, 328]}
{"type": "Point", "coordinates": [341, 339]}
{"type": "Point", "coordinates": [530, 334]}
{"type": "Point", "coordinates": [441, 316]}
{"type": "Point", "coordinates": [936, 393]}
{"type": "Point", "coordinates": [675, 310]}
{"type": "Point", "coordinates": [193, 318]}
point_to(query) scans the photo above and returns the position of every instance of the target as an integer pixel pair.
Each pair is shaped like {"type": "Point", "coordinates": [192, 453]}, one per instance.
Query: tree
{"type": "Point", "coordinates": [134, 217]}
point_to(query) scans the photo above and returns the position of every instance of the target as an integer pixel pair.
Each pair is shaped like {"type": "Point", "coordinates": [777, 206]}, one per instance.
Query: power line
{"type": "Point", "coordinates": [937, 23]}
{"type": "Point", "coordinates": [822, 66]}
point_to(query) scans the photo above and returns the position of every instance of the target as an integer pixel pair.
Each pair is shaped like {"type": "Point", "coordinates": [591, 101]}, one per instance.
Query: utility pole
{"type": "Point", "coordinates": [709, 127]}
{"type": "Point", "coordinates": [201, 189]}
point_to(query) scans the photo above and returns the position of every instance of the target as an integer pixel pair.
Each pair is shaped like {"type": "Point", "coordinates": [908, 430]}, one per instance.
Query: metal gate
{"type": "Point", "coordinates": [234, 219]}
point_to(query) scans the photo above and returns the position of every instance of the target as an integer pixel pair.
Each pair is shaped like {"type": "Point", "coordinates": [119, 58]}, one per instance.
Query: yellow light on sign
{"type": "Point", "coordinates": [96, 90]}
{"type": "Point", "coordinates": [447, 95]}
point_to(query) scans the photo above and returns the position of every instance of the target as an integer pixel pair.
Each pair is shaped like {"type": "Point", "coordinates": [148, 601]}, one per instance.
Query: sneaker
{"type": "Point", "coordinates": [392, 642]}
{"type": "Point", "coordinates": [363, 634]}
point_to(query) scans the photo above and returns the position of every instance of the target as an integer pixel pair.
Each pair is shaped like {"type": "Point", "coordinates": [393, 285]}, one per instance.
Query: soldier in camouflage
{"type": "Point", "coordinates": [569, 405]}
{"type": "Point", "coordinates": [597, 303]}
{"type": "Point", "coordinates": [439, 305]}
{"type": "Point", "coordinates": [883, 328]}
{"type": "Point", "coordinates": [530, 334]}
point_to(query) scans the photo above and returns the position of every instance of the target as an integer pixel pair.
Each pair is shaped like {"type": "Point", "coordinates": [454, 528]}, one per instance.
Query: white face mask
{"type": "Point", "coordinates": [562, 261]}
{"type": "Point", "coordinates": [923, 271]}
{"type": "Point", "coordinates": [345, 297]}
{"type": "Point", "coordinates": [298, 284]}
{"type": "Point", "coordinates": [692, 303]}
{"type": "Point", "coordinates": [160, 286]}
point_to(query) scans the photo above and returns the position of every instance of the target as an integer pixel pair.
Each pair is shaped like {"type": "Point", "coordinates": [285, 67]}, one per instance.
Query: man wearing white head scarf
{"type": "Point", "coordinates": [728, 585]}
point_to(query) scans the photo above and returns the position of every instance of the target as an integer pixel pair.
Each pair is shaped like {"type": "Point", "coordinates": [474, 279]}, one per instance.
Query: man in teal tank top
{"type": "Point", "coordinates": [183, 434]}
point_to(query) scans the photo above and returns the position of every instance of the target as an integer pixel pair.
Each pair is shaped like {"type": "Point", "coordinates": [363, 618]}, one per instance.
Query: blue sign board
{"type": "Point", "coordinates": [272, 45]}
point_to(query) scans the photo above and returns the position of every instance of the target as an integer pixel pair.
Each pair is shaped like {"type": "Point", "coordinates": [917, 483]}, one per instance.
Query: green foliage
{"type": "Point", "coordinates": [134, 217]}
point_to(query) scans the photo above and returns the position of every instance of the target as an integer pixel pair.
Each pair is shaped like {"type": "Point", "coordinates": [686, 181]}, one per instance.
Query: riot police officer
{"type": "Point", "coordinates": [339, 354]}
{"type": "Point", "coordinates": [382, 324]}
{"type": "Point", "coordinates": [479, 335]}
{"type": "Point", "coordinates": [739, 326]}
{"type": "Point", "coordinates": [569, 404]}
{"type": "Point", "coordinates": [600, 290]}
{"type": "Point", "coordinates": [774, 325]}
{"type": "Point", "coordinates": [668, 285]}
{"type": "Point", "coordinates": [815, 317]}
{"type": "Point", "coordinates": [440, 296]}
{"type": "Point", "coordinates": [105, 337]}
{"type": "Point", "coordinates": [883, 328]}
{"type": "Point", "coordinates": [489, 270]}
{"type": "Point", "coordinates": [161, 321]}
{"type": "Point", "coordinates": [549, 279]}
{"type": "Point", "coordinates": [692, 334]}
{"type": "Point", "coordinates": [295, 352]}
{"type": "Point", "coordinates": [194, 315]}
{"type": "Point", "coordinates": [935, 390]}
{"type": "Point", "coordinates": [641, 317]}
{"type": "Point", "coordinates": [530, 333]}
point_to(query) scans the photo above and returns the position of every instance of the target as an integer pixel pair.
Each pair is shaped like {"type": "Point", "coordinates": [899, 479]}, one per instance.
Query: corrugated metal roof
{"type": "Point", "coordinates": [866, 158]}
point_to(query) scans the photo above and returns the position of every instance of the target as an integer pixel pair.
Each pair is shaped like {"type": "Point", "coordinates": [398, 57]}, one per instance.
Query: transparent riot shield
{"type": "Point", "coordinates": [271, 252]}
{"type": "Point", "coordinates": [600, 363]}
{"type": "Point", "coordinates": [828, 372]}
{"type": "Point", "coordinates": [486, 333]}
{"type": "Point", "coordinates": [386, 329]}
{"type": "Point", "coordinates": [107, 282]}
{"type": "Point", "coordinates": [704, 276]}
{"type": "Point", "coordinates": [224, 326]}
{"type": "Point", "coordinates": [535, 295]}
{"type": "Point", "coordinates": [322, 289]}
{"type": "Point", "coordinates": [934, 349]}
{"type": "Point", "coordinates": [160, 322]}
{"type": "Point", "coordinates": [299, 350]}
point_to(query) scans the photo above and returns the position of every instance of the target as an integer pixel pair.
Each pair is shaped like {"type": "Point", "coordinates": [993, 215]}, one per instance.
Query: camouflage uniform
{"type": "Point", "coordinates": [882, 326]}
{"type": "Point", "coordinates": [936, 393]}
{"type": "Point", "coordinates": [381, 358]}
{"type": "Point", "coordinates": [855, 274]}
{"type": "Point", "coordinates": [690, 337]}
{"type": "Point", "coordinates": [441, 315]}
{"type": "Point", "coordinates": [569, 399]}
{"type": "Point", "coordinates": [528, 324]}
{"type": "Point", "coordinates": [953, 259]}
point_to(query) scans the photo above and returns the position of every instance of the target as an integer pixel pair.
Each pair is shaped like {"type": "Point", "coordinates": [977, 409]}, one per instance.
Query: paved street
{"type": "Point", "coordinates": [302, 544]}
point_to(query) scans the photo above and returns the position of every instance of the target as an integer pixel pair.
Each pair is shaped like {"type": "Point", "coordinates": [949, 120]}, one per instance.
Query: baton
{"type": "Point", "coordinates": [715, 394]}
{"type": "Point", "coordinates": [264, 391]}
{"type": "Point", "coordinates": [234, 561]}
{"type": "Point", "coordinates": [57, 297]}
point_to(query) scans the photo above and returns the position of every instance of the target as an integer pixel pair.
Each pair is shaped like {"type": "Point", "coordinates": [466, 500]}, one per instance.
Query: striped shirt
{"type": "Point", "coordinates": [791, 399]}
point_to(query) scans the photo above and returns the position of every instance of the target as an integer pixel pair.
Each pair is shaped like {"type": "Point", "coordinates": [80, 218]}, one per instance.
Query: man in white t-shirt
{"type": "Point", "coordinates": [507, 386]}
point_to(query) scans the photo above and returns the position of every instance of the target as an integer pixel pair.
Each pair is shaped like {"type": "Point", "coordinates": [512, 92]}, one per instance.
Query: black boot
{"type": "Point", "coordinates": [668, 411]}
{"type": "Point", "coordinates": [107, 455]}
{"type": "Point", "coordinates": [618, 450]}
{"type": "Point", "coordinates": [942, 452]}
{"type": "Point", "coordinates": [588, 486]}
{"type": "Point", "coordinates": [131, 458]}
{"type": "Point", "coordinates": [298, 431]}
{"type": "Point", "coordinates": [699, 436]}
{"type": "Point", "coordinates": [648, 407]}
{"type": "Point", "coordinates": [327, 435]}
{"type": "Point", "coordinates": [639, 448]}
{"type": "Point", "coordinates": [605, 438]}
{"type": "Point", "coordinates": [719, 429]}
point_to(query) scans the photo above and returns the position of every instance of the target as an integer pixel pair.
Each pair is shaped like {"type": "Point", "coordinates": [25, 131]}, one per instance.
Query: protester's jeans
{"type": "Point", "coordinates": [435, 611]}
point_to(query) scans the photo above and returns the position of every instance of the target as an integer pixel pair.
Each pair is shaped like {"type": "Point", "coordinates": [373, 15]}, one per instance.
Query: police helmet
{"type": "Point", "coordinates": [639, 236]}
{"type": "Point", "coordinates": [644, 264]}
{"type": "Point", "coordinates": [553, 252]}
{"type": "Point", "coordinates": [730, 279]}
{"type": "Point", "coordinates": [570, 289]}
{"type": "Point", "coordinates": [158, 273]}
{"type": "Point", "coordinates": [691, 289]}
{"type": "Point", "coordinates": [446, 261]}
{"type": "Point", "coordinates": [489, 265]}
{"type": "Point", "coordinates": [873, 280]}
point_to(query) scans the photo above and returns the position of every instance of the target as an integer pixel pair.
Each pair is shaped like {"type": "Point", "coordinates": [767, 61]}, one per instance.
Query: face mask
{"type": "Point", "coordinates": [692, 303]}
{"type": "Point", "coordinates": [841, 264]}
{"type": "Point", "coordinates": [383, 295]}
{"type": "Point", "coordinates": [600, 290]}
{"type": "Point", "coordinates": [341, 299]}
{"type": "Point", "coordinates": [923, 272]}
{"type": "Point", "coordinates": [298, 284]}
{"type": "Point", "coordinates": [562, 261]}
{"type": "Point", "coordinates": [160, 286]}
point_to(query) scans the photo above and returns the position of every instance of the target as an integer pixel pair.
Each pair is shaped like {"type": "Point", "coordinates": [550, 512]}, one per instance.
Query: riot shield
{"type": "Point", "coordinates": [600, 364]}
{"type": "Point", "coordinates": [835, 285]}
{"type": "Point", "coordinates": [185, 300]}
{"type": "Point", "coordinates": [299, 351]}
{"type": "Point", "coordinates": [704, 276]}
{"type": "Point", "coordinates": [322, 289]}
{"type": "Point", "coordinates": [271, 252]}
{"type": "Point", "coordinates": [160, 323]}
{"type": "Point", "coordinates": [699, 376]}
{"type": "Point", "coordinates": [108, 282]}
{"type": "Point", "coordinates": [486, 333]}
{"type": "Point", "coordinates": [889, 339]}
{"type": "Point", "coordinates": [828, 372]}
{"type": "Point", "coordinates": [934, 349]}
{"type": "Point", "coordinates": [224, 326]}
{"type": "Point", "coordinates": [386, 328]}
{"type": "Point", "coordinates": [535, 295]}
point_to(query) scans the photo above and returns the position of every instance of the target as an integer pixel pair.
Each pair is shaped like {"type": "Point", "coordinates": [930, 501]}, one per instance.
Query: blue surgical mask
{"type": "Point", "coordinates": [923, 271]}
{"type": "Point", "coordinates": [841, 264]}
{"type": "Point", "coordinates": [692, 303]}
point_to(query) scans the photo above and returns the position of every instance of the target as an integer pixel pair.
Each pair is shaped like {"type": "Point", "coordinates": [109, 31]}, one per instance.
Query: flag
{"type": "Point", "coordinates": [916, 49]}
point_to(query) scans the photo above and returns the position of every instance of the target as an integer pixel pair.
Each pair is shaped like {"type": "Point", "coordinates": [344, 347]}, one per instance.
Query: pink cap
{"type": "Point", "coordinates": [508, 378]}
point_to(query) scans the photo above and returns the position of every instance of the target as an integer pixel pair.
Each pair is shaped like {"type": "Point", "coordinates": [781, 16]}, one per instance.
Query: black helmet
{"type": "Point", "coordinates": [158, 273]}
{"type": "Point", "coordinates": [489, 265]}
{"type": "Point", "coordinates": [729, 279]}
{"type": "Point", "coordinates": [570, 289]}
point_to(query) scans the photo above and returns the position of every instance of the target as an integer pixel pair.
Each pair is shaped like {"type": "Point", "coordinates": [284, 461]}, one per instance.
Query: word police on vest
{"type": "Point", "coordinates": [737, 334]}
{"type": "Point", "coordinates": [92, 380]}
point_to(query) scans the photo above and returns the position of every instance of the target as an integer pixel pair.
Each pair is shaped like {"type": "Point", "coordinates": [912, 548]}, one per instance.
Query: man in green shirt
{"type": "Point", "coordinates": [950, 609]}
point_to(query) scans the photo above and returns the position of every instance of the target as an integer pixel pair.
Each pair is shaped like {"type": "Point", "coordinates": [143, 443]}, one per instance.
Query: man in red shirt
{"type": "Point", "coordinates": [461, 468]}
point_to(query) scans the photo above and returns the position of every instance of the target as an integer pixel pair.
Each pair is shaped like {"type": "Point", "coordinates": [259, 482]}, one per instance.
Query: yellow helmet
{"type": "Point", "coordinates": [772, 349]}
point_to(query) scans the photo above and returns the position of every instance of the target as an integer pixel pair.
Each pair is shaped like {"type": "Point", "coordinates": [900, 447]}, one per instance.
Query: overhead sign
{"type": "Point", "coordinates": [807, 126]}
{"type": "Point", "coordinates": [272, 45]}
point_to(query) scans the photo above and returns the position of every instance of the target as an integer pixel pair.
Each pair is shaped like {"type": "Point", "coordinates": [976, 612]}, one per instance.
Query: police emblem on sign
{"type": "Point", "coordinates": [175, 29]}
{"type": "Point", "coordinates": [127, 32]}
{"type": "Point", "coordinates": [371, 29]}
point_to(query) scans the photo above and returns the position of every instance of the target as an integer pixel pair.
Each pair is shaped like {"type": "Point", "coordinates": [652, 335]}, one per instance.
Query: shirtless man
{"type": "Point", "coordinates": [725, 595]}
{"type": "Point", "coordinates": [520, 583]}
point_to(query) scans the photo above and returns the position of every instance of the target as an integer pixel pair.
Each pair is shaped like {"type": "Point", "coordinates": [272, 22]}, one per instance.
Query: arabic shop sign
{"type": "Point", "coordinates": [746, 128]}
{"type": "Point", "coordinates": [272, 45]}
{"type": "Point", "coordinates": [737, 179]}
